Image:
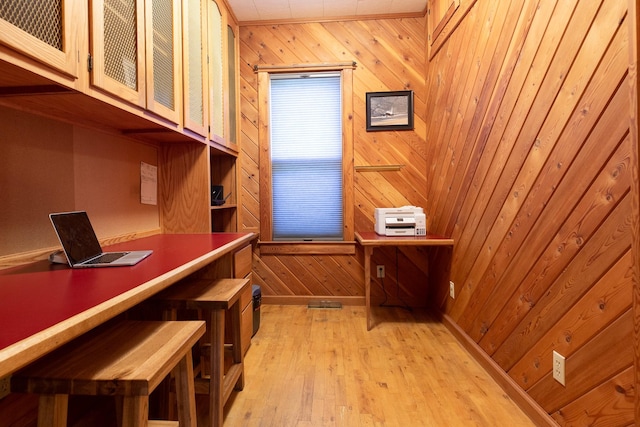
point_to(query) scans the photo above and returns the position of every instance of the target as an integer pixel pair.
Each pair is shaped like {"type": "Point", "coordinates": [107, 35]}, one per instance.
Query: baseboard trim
{"type": "Point", "coordinates": [305, 300]}
{"type": "Point", "coordinates": [529, 406]}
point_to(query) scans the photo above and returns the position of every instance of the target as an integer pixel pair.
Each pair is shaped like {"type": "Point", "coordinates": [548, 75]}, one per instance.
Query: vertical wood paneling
{"type": "Point", "coordinates": [530, 174]}
{"type": "Point", "coordinates": [634, 86]}
{"type": "Point", "coordinates": [390, 55]}
{"type": "Point", "coordinates": [183, 186]}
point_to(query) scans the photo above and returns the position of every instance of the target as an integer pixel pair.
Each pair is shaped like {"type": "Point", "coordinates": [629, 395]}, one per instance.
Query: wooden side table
{"type": "Point", "coordinates": [370, 240]}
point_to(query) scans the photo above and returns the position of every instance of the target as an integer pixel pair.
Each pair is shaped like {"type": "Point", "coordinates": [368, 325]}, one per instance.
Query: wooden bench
{"type": "Point", "coordinates": [128, 359]}
{"type": "Point", "coordinates": [213, 298]}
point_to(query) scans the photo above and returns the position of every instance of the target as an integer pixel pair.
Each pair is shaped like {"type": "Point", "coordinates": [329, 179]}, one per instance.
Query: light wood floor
{"type": "Point", "coordinates": [320, 367]}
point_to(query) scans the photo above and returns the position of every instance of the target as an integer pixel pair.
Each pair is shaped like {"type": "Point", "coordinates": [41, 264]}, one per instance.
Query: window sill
{"type": "Point", "coordinates": [307, 248]}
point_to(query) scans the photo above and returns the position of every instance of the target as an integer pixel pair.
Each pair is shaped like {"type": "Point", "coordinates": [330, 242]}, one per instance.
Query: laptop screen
{"type": "Point", "coordinates": [76, 235]}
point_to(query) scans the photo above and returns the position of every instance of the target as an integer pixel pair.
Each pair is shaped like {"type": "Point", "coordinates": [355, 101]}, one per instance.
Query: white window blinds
{"type": "Point", "coordinates": [306, 157]}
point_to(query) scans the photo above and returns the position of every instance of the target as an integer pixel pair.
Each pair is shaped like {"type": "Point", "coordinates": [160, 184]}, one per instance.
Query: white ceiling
{"type": "Point", "coordinates": [268, 10]}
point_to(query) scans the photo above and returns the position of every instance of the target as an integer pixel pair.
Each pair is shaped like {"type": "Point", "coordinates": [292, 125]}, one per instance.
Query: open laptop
{"type": "Point", "coordinates": [81, 245]}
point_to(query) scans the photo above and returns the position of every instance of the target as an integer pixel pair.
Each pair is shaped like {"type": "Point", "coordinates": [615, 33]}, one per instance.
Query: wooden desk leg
{"type": "Point", "coordinates": [216, 379]}
{"type": "Point", "coordinates": [238, 357]}
{"type": "Point", "coordinates": [368, 251]}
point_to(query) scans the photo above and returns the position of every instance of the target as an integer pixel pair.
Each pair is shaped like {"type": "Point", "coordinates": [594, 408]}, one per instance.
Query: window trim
{"type": "Point", "coordinates": [266, 208]}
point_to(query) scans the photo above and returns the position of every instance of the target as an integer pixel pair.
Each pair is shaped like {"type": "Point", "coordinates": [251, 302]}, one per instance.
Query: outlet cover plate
{"type": "Point", "coordinates": [558, 367]}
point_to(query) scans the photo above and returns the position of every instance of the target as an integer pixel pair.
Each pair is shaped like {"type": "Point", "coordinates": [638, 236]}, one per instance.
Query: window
{"type": "Point", "coordinates": [306, 155]}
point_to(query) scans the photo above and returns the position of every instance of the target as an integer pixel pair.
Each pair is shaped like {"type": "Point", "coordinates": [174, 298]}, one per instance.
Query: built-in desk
{"type": "Point", "coordinates": [370, 240]}
{"type": "Point", "coordinates": [43, 306]}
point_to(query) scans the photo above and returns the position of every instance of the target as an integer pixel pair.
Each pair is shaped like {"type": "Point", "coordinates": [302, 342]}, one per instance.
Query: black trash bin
{"type": "Point", "coordinates": [257, 301]}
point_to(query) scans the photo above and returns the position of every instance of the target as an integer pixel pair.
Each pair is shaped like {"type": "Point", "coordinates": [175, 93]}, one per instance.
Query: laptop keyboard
{"type": "Point", "coordinates": [106, 258]}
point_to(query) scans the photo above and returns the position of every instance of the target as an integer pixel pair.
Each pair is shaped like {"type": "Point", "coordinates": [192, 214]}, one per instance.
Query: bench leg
{"type": "Point", "coordinates": [135, 411]}
{"type": "Point", "coordinates": [165, 399]}
{"type": "Point", "coordinates": [216, 379]}
{"type": "Point", "coordinates": [236, 330]}
{"type": "Point", "coordinates": [185, 391]}
{"type": "Point", "coordinates": [52, 410]}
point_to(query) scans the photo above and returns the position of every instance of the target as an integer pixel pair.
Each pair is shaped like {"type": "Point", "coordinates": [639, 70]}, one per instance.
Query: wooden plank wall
{"type": "Point", "coordinates": [50, 166]}
{"type": "Point", "coordinates": [390, 55]}
{"type": "Point", "coordinates": [529, 171]}
{"type": "Point", "coordinates": [521, 153]}
{"type": "Point", "coordinates": [634, 79]}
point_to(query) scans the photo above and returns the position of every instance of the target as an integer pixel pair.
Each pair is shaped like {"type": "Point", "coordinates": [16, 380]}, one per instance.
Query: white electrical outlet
{"type": "Point", "coordinates": [380, 270]}
{"type": "Point", "coordinates": [558, 367]}
{"type": "Point", "coordinates": [452, 289]}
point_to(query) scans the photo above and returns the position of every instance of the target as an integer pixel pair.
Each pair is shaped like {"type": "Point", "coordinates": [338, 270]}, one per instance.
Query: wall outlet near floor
{"type": "Point", "coordinates": [452, 289]}
{"type": "Point", "coordinates": [558, 367]}
{"type": "Point", "coordinates": [4, 386]}
{"type": "Point", "coordinates": [380, 270]}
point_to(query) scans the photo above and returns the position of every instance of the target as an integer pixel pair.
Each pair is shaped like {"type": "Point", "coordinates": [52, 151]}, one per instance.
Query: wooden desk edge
{"type": "Point", "coordinates": [29, 349]}
{"type": "Point", "coordinates": [429, 240]}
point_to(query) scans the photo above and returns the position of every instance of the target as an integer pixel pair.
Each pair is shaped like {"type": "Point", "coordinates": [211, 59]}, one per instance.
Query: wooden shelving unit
{"type": "Point", "coordinates": [190, 160]}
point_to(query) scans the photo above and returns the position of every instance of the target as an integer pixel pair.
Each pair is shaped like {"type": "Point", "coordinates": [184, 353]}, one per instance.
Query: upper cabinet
{"type": "Point", "coordinates": [164, 58]}
{"type": "Point", "coordinates": [136, 53]}
{"type": "Point", "coordinates": [43, 31]}
{"type": "Point", "coordinates": [118, 48]}
{"type": "Point", "coordinates": [194, 58]}
{"type": "Point", "coordinates": [162, 71]}
{"type": "Point", "coordinates": [216, 72]}
{"type": "Point", "coordinates": [177, 59]}
{"type": "Point", "coordinates": [143, 67]}
{"type": "Point", "coordinates": [223, 65]}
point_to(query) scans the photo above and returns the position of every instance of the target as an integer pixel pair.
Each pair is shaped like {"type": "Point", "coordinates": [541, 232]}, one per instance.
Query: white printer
{"type": "Point", "coordinates": [403, 221]}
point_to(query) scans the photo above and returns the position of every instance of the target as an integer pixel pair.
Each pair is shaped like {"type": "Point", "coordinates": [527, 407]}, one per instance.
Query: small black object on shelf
{"type": "Point", "coordinates": [217, 198]}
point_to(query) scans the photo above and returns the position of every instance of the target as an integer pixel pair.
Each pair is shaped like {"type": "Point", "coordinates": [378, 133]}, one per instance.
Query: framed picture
{"type": "Point", "coordinates": [390, 110]}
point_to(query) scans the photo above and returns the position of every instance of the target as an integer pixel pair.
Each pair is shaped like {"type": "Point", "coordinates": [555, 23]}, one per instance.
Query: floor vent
{"type": "Point", "coordinates": [325, 304]}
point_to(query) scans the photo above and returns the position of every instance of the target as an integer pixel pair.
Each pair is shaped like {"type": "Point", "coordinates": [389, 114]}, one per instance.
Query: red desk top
{"type": "Point", "coordinates": [44, 305]}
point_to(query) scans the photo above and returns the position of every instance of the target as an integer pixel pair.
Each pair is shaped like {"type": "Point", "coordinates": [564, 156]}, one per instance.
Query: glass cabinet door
{"type": "Point", "coordinates": [42, 30]}
{"type": "Point", "coordinates": [117, 48]}
{"type": "Point", "coordinates": [164, 58]}
{"type": "Point", "coordinates": [232, 137]}
{"type": "Point", "coordinates": [216, 73]}
{"type": "Point", "coordinates": [194, 65]}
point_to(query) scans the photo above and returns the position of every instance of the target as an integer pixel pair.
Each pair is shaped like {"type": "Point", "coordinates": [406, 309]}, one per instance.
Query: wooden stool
{"type": "Point", "coordinates": [128, 359]}
{"type": "Point", "coordinates": [213, 297]}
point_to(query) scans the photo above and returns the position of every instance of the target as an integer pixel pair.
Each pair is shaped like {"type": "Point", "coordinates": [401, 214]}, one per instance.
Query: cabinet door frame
{"type": "Point", "coordinates": [232, 66]}
{"type": "Point", "coordinates": [189, 123]}
{"type": "Point", "coordinates": [175, 114]}
{"type": "Point", "coordinates": [215, 98]}
{"type": "Point", "coordinates": [65, 60]}
{"type": "Point", "coordinates": [98, 77]}
{"type": "Point", "coordinates": [220, 133]}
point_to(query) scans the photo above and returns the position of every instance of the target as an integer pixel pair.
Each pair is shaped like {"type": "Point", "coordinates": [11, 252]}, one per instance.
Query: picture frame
{"type": "Point", "coordinates": [390, 110]}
